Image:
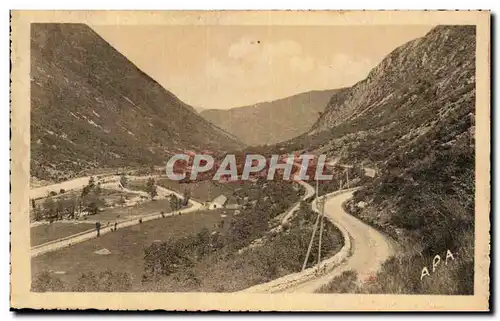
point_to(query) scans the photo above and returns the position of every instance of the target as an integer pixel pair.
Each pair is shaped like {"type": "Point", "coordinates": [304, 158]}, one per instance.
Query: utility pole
{"type": "Point", "coordinates": [347, 173]}
{"type": "Point", "coordinates": [321, 212]}
{"type": "Point", "coordinates": [320, 208]}
{"type": "Point", "coordinates": [321, 205]}
{"type": "Point", "coordinates": [310, 243]}
{"type": "Point", "coordinates": [313, 233]}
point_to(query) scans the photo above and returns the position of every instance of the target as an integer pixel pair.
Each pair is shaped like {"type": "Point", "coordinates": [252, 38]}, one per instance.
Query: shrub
{"type": "Point", "coordinates": [46, 282]}
{"type": "Point", "coordinates": [105, 281]}
{"type": "Point", "coordinates": [344, 283]}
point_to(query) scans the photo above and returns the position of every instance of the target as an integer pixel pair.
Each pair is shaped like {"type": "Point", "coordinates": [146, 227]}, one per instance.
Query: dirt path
{"type": "Point", "coordinates": [90, 234]}
{"type": "Point", "coordinates": [369, 247]}
{"type": "Point", "coordinates": [364, 251]}
{"type": "Point", "coordinates": [80, 182]}
{"type": "Point", "coordinates": [309, 192]}
{"type": "Point", "coordinates": [76, 183]}
{"type": "Point", "coordinates": [87, 235]}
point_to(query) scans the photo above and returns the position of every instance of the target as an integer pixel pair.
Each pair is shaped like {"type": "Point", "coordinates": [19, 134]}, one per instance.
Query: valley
{"type": "Point", "coordinates": [399, 145]}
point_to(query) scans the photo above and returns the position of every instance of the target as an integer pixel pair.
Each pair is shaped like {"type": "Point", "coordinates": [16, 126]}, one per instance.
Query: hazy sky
{"type": "Point", "coordinates": [230, 66]}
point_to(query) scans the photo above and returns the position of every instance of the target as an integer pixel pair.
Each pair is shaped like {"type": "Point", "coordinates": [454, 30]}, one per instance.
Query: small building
{"type": "Point", "coordinates": [217, 202]}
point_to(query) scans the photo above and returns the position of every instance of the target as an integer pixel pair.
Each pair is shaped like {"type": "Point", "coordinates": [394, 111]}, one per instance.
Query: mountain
{"type": "Point", "coordinates": [271, 122]}
{"type": "Point", "coordinates": [412, 119]}
{"type": "Point", "coordinates": [425, 68]}
{"type": "Point", "coordinates": [93, 108]}
{"type": "Point", "coordinates": [421, 94]}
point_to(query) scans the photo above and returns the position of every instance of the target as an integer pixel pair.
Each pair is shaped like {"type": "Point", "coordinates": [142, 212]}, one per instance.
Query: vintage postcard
{"type": "Point", "coordinates": [253, 160]}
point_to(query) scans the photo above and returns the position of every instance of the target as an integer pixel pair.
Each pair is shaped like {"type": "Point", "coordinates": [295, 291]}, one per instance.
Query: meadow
{"type": "Point", "coordinates": [126, 246]}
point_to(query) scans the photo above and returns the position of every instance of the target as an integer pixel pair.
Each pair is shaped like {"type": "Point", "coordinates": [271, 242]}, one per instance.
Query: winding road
{"type": "Point", "coordinates": [80, 182]}
{"type": "Point", "coordinates": [72, 184]}
{"type": "Point", "coordinates": [90, 234]}
{"type": "Point", "coordinates": [364, 251]}
{"type": "Point", "coordinates": [369, 248]}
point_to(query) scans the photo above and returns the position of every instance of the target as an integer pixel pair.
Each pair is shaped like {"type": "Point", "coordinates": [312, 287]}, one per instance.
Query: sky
{"type": "Point", "coordinates": [222, 67]}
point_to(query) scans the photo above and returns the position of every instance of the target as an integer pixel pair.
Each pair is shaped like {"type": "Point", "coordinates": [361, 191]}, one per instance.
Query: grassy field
{"type": "Point", "coordinates": [227, 271]}
{"type": "Point", "coordinates": [126, 246]}
{"type": "Point", "coordinates": [124, 213]}
{"type": "Point", "coordinates": [48, 232]}
{"type": "Point", "coordinates": [199, 261]}
{"type": "Point", "coordinates": [108, 195]}
{"type": "Point", "coordinates": [202, 191]}
{"type": "Point", "coordinates": [111, 196]}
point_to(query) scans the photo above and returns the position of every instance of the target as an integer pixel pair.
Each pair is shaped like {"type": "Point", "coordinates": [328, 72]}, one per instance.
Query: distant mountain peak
{"type": "Point", "coordinates": [274, 121]}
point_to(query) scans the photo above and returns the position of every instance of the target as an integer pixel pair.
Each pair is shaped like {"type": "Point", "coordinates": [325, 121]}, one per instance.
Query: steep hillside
{"type": "Point", "coordinates": [413, 119]}
{"type": "Point", "coordinates": [92, 108]}
{"type": "Point", "coordinates": [421, 95]}
{"type": "Point", "coordinates": [271, 122]}
{"type": "Point", "coordinates": [432, 65]}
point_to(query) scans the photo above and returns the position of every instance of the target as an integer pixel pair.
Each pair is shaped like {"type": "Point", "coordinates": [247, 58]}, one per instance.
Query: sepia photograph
{"type": "Point", "coordinates": [272, 161]}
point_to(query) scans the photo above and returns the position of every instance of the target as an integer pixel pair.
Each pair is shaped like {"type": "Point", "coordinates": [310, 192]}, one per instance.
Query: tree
{"type": "Point", "coordinates": [60, 205]}
{"type": "Point", "coordinates": [174, 202]}
{"type": "Point", "coordinates": [90, 197]}
{"type": "Point", "coordinates": [202, 243]}
{"type": "Point", "coordinates": [97, 189]}
{"type": "Point", "coordinates": [123, 180]}
{"type": "Point", "coordinates": [85, 191]}
{"type": "Point", "coordinates": [68, 206]}
{"type": "Point", "coordinates": [49, 208]}
{"type": "Point", "coordinates": [165, 258]}
{"type": "Point", "coordinates": [79, 204]}
{"type": "Point", "coordinates": [151, 188]}
{"type": "Point", "coordinates": [92, 203]}
{"type": "Point", "coordinates": [91, 182]}
{"type": "Point", "coordinates": [37, 214]}
{"type": "Point", "coordinates": [187, 195]}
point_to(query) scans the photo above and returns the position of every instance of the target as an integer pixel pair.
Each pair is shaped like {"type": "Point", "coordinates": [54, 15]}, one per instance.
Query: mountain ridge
{"type": "Point", "coordinates": [412, 118]}
{"type": "Point", "coordinates": [271, 121]}
{"type": "Point", "coordinates": [386, 81]}
{"type": "Point", "coordinates": [93, 108]}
